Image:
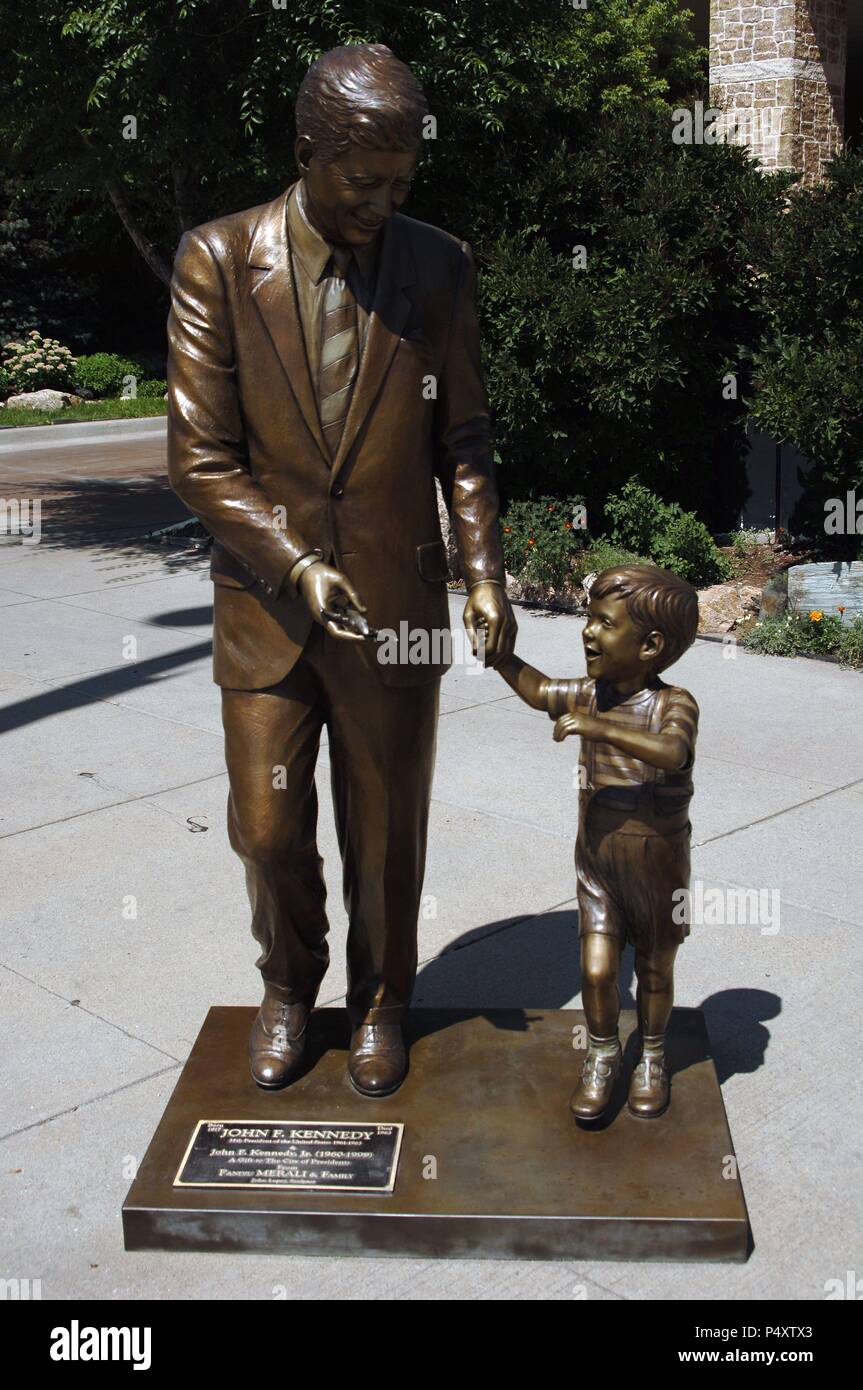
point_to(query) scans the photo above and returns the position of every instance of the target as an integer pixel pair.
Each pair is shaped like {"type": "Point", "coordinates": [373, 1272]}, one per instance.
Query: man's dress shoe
{"type": "Point", "coordinates": [378, 1061]}
{"type": "Point", "coordinates": [277, 1041]}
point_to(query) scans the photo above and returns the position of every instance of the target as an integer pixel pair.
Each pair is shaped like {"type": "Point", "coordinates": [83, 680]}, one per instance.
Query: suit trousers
{"type": "Point", "coordinates": [382, 750]}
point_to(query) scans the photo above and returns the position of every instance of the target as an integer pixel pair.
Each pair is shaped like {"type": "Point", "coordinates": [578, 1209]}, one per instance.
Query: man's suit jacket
{"type": "Point", "coordinates": [246, 453]}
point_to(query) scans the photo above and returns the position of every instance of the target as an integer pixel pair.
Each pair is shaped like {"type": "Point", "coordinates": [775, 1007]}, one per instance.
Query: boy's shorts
{"type": "Point", "coordinates": [628, 885]}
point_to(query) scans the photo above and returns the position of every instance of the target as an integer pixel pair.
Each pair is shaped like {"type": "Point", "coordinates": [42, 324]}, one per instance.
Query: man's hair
{"type": "Point", "coordinates": [655, 600]}
{"type": "Point", "coordinates": [360, 94]}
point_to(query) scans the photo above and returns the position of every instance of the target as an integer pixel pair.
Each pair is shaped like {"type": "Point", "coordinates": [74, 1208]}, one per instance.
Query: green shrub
{"type": "Point", "coordinates": [617, 363]}
{"type": "Point", "coordinates": [686, 547]}
{"type": "Point", "coordinates": [808, 366]}
{"type": "Point", "coordinates": [634, 517]}
{"type": "Point", "coordinates": [36, 363]}
{"type": "Point", "coordinates": [851, 650]}
{"type": "Point", "coordinates": [104, 373]}
{"type": "Point", "coordinates": [541, 537]}
{"type": "Point", "coordinates": [152, 388]}
{"type": "Point", "coordinates": [674, 539]}
{"type": "Point", "coordinates": [605, 555]}
{"type": "Point", "coordinates": [806, 634]}
{"type": "Point", "coordinates": [745, 542]}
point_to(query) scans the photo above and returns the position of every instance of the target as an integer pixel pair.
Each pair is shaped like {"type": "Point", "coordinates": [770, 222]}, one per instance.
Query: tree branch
{"type": "Point", "coordinates": [143, 245]}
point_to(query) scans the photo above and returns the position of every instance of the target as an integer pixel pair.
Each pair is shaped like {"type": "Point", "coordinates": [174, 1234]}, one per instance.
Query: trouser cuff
{"type": "Point", "coordinates": [292, 995]}
{"type": "Point", "coordinates": [388, 1013]}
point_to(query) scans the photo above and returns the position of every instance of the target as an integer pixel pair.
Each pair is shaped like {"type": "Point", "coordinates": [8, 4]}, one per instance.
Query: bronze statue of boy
{"type": "Point", "coordinates": [635, 784]}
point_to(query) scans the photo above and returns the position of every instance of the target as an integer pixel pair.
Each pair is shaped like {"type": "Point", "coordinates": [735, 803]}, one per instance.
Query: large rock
{"type": "Point", "coordinates": [42, 400]}
{"type": "Point", "coordinates": [723, 607]}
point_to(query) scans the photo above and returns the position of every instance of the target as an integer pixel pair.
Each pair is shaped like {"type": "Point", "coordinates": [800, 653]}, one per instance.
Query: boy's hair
{"type": "Point", "coordinates": [655, 600]}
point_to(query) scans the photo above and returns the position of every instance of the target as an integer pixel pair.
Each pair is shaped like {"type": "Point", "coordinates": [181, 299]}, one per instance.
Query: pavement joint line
{"type": "Point", "coordinates": [90, 1100]}
{"type": "Point", "coordinates": [133, 584]}
{"type": "Point", "coordinates": [755, 767]}
{"type": "Point", "coordinates": [115, 617]}
{"type": "Point", "coordinates": [498, 815]}
{"type": "Point", "coordinates": [517, 704]}
{"type": "Point", "coordinates": [110, 806]}
{"type": "Point", "coordinates": [483, 934]}
{"type": "Point", "coordinates": [82, 593]}
{"type": "Point", "coordinates": [774, 815]}
{"type": "Point", "coordinates": [51, 684]}
{"type": "Point", "coordinates": [834, 917]}
{"type": "Point", "coordinates": [165, 718]}
{"type": "Point", "coordinates": [82, 1008]}
{"type": "Point", "coordinates": [480, 704]}
{"type": "Point", "coordinates": [143, 622]}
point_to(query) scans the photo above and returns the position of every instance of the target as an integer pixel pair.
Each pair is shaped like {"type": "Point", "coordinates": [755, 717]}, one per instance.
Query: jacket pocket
{"type": "Point", "coordinates": [432, 561]}
{"type": "Point", "coordinates": [227, 572]}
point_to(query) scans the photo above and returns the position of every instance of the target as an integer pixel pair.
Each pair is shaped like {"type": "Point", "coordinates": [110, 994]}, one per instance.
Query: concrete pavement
{"type": "Point", "coordinates": [124, 918]}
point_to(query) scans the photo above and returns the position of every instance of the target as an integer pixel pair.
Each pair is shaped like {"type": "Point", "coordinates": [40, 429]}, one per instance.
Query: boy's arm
{"type": "Point", "coordinates": [667, 751]}
{"type": "Point", "coordinates": [529, 684]}
{"type": "Point", "coordinates": [672, 749]}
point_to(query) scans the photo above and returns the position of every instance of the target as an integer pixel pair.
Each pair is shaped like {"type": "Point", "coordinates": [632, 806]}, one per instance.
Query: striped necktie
{"type": "Point", "coordinates": [339, 350]}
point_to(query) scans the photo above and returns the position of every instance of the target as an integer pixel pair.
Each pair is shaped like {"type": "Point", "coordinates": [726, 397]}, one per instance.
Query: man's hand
{"type": "Point", "coordinates": [324, 587]}
{"type": "Point", "coordinates": [489, 608]}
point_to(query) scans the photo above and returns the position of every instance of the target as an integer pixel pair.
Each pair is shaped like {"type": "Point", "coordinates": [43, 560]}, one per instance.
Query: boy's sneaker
{"type": "Point", "coordinates": [649, 1090]}
{"type": "Point", "coordinates": [592, 1095]}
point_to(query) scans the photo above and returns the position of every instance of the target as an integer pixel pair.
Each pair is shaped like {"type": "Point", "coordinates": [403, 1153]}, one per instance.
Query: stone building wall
{"type": "Point", "coordinates": [777, 71]}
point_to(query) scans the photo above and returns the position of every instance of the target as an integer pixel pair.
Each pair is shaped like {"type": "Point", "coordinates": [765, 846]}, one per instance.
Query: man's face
{"type": "Point", "coordinates": [614, 648]}
{"type": "Point", "coordinates": [350, 198]}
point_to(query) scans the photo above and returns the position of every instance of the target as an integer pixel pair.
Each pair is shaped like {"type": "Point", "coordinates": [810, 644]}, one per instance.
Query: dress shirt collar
{"type": "Point", "coordinates": [313, 251]}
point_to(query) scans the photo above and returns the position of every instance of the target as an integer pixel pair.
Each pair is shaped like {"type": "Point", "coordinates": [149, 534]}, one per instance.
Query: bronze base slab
{"type": "Point", "coordinates": [486, 1098]}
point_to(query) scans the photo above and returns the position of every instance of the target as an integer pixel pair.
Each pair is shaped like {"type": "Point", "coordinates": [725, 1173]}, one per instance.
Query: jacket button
{"type": "Point", "coordinates": [338, 490]}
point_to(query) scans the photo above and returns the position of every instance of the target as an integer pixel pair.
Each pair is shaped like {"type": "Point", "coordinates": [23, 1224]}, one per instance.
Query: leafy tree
{"type": "Point", "coordinates": [211, 85]}
{"type": "Point", "coordinates": [808, 378]}
{"type": "Point", "coordinates": [634, 356]}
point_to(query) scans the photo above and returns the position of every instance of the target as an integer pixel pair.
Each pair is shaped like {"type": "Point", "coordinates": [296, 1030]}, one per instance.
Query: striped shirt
{"type": "Point", "coordinates": [613, 778]}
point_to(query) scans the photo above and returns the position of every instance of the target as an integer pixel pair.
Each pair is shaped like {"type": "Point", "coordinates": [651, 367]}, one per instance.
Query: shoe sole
{"type": "Point", "coordinates": [375, 1095]}
{"type": "Point", "coordinates": [589, 1119]}
{"type": "Point", "coordinates": [654, 1114]}
{"type": "Point", "coordinates": [273, 1085]}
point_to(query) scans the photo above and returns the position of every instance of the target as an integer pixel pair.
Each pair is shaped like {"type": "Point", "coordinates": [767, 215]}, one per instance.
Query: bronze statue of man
{"type": "Point", "coordinates": [324, 368]}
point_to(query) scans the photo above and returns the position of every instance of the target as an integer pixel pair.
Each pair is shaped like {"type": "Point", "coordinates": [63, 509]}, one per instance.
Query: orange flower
{"type": "Point", "coordinates": [841, 609]}
{"type": "Point", "coordinates": [506, 530]}
{"type": "Point", "coordinates": [531, 542]}
{"type": "Point", "coordinates": [816, 615]}
{"type": "Point", "coordinates": [567, 526]}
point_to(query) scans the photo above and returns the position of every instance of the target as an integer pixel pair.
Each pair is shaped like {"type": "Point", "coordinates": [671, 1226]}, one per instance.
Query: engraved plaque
{"type": "Point", "coordinates": [308, 1155]}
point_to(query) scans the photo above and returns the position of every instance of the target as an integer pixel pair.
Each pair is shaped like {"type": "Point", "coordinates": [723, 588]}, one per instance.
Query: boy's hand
{"type": "Point", "coordinates": [573, 724]}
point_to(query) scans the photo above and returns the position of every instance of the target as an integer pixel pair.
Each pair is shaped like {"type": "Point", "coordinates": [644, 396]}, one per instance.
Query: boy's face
{"type": "Point", "coordinates": [614, 648]}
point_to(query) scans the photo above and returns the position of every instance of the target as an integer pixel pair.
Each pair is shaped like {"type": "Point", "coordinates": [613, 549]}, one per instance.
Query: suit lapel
{"type": "Point", "coordinates": [275, 295]}
{"type": "Point", "coordinates": [390, 310]}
